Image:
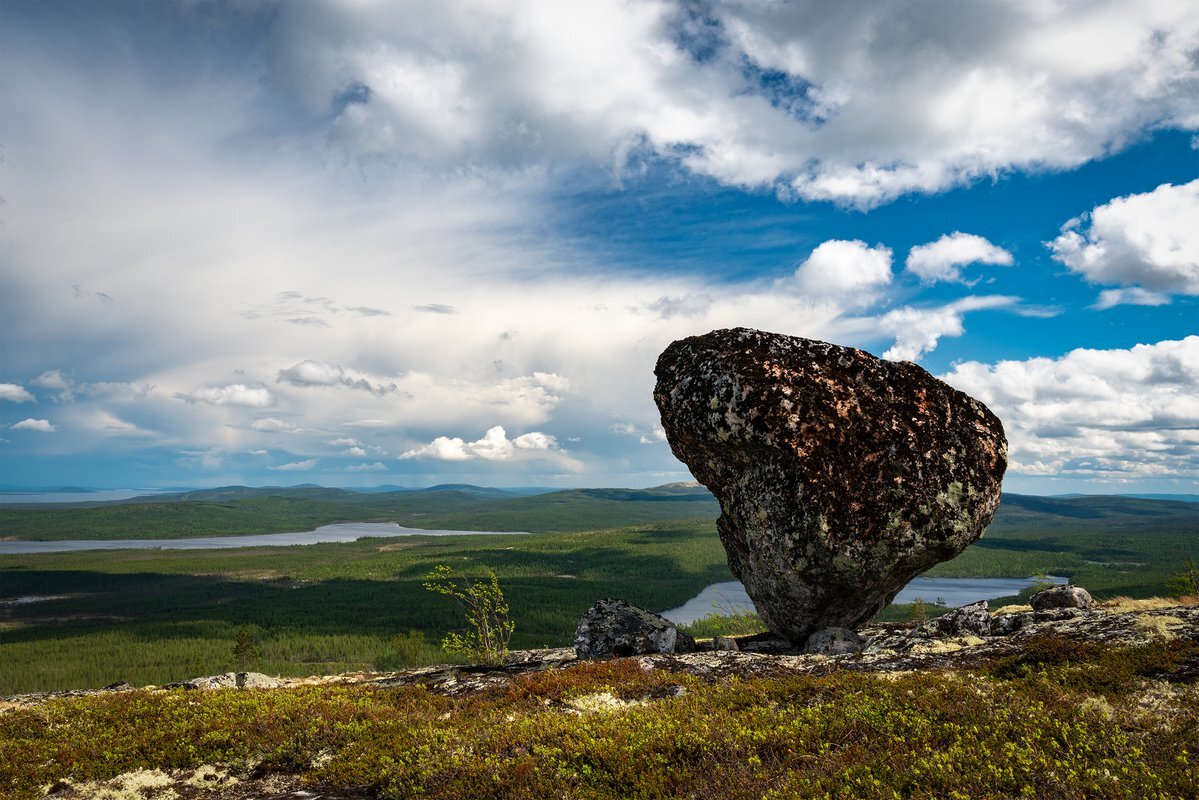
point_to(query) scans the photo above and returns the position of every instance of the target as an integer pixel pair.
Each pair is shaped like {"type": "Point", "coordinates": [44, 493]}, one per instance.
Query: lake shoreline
{"type": "Point", "coordinates": [730, 597]}
{"type": "Point", "coordinates": [338, 532]}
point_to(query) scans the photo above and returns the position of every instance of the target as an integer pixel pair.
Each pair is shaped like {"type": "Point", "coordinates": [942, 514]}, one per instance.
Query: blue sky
{"type": "Point", "coordinates": [422, 242]}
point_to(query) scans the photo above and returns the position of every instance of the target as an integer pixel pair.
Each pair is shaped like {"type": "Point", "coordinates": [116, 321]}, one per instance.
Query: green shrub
{"type": "Point", "coordinates": [1185, 583]}
{"type": "Point", "coordinates": [918, 610]}
{"type": "Point", "coordinates": [489, 627]}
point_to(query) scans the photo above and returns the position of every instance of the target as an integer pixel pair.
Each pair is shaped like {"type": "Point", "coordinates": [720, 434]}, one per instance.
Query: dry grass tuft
{"type": "Point", "coordinates": [1125, 605]}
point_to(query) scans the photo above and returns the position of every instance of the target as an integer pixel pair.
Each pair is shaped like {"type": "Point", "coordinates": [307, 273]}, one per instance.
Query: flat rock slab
{"type": "Point", "coordinates": [840, 476]}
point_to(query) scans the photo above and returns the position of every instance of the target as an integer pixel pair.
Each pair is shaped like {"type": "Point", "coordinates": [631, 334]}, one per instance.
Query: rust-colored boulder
{"type": "Point", "coordinates": [840, 476]}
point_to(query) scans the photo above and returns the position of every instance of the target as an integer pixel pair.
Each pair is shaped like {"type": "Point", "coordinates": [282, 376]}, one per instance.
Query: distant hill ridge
{"type": "Point", "coordinates": [242, 510]}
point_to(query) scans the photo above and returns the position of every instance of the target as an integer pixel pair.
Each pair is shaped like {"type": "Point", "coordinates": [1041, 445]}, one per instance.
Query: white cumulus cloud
{"type": "Point", "coordinates": [52, 379]}
{"type": "Point", "coordinates": [1118, 415]}
{"type": "Point", "coordinates": [312, 373]}
{"type": "Point", "coordinates": [917, 330]}
{"type": "Point", "coordinates": [42, 425]}
{"type": "Point", "coordinates": [1149, 241]}
{"type": "Point", "coordinates": [236, 394]}
{"type": "Point", "coordinates": [943, 259]}
{"type": "Point", "coordinates": [15, 393]}
{"type": "Point", "coordinates": [443, 448]}
{"type": "Point", "coordinates": [296, 466]}
{"type": "Point", "coordinates": [493, 446]}
{"type": "Point", "coordinates": [845, 269]}
{"type": "Point", "coordinates": [377, 466]}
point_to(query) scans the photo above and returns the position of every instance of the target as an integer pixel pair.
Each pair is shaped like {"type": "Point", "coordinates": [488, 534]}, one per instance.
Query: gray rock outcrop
{"type": "Point", "coordinates": [1068, 596]}
{"type": "Point", "coordinates": [228, 680]}
{"type": "Point", "coordinates": [840, 476]}
{"type": "Point", "coordinates": [969, 620]}
{"type": "Point", "coordinates": [614, 627]}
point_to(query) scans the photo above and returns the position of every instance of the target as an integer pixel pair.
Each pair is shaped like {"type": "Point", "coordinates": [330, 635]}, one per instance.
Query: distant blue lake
{"type": "Point", "coordinates": [340, 532]}
{"type": "Point", "coordinates": [721, 597]}
{"type": "Point", "coordinates": [90, 496]}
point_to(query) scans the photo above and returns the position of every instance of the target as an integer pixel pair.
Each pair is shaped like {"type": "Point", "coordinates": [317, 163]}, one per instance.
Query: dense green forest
{"type": "Point", "coordinates": [151, 616]}
{"type": "Point", "coordinates": [90, 618]}
{"type": "Point", "coordinates": [237, 511]}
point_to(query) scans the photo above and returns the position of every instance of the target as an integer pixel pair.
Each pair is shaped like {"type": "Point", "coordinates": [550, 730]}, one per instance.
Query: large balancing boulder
{"type": "Point", "coordinates": [840, 476]}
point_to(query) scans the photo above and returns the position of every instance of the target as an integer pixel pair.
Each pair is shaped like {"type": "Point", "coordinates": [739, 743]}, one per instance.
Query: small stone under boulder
{"type": "Point", "coordinates": [1068, 596]}
{"type": "Point", "coordinates": [833, 642]}
{"type": "Point", "coordinates": [614, 627]}
{"type": "Point", "coordinates": [840, 476]}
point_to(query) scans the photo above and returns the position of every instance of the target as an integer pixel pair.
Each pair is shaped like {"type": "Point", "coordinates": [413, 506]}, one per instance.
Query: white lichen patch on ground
{"type": "Point", "coordinates": [215, 781]}
{"type": "Point", "coordinates": [1012, 609]}
{"type": "Point", "coordinates": [1098, 706]}
{"type": "Point", "coordinates": [1160, 626]}
{"type": "Point", "coordinates": [1160, 703]}
{"type": "Point", "coordinates": [947, 645]}
{"type": "Point", "coordinates": [599, 702]}
{"type": "Point", "coordinates": [137, 785]}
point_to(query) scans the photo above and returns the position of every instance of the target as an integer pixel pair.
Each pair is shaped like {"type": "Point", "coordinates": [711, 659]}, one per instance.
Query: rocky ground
{"type": "Point", "coordinates": [892, 648]}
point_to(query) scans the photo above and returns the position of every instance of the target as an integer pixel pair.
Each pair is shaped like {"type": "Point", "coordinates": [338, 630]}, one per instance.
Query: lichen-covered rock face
{"type": "Point", "coordinates": [1068, 596]}
{"type": "Point", "coordinates": [615, 627]}
{"type": "Point", "coordinates": [969, 620]}
{"type": "Point", "coordinates": [840, 476]}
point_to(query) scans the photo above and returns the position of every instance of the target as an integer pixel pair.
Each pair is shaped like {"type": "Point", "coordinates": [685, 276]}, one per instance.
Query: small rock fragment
{"type": "Point", "coordinates": [727, 643]}
{"type": "Point", "coordinates": [615, 627]}
{"type": "Point", "coordinates": [834, 642]}
{"type": "Point", "coordinates": [1068, 596]}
